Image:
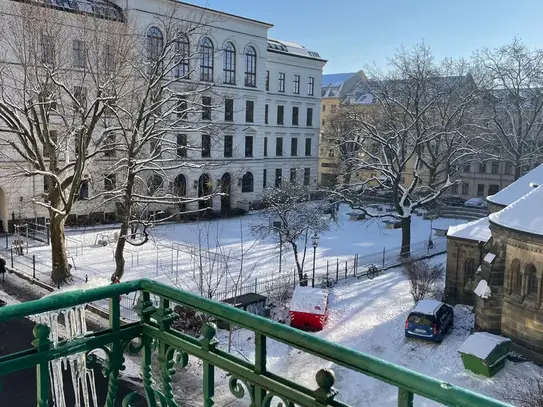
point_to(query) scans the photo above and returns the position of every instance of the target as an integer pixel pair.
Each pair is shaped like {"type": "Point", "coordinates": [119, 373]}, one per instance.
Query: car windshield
{"type": "Point", "coordinates": [421, 319]}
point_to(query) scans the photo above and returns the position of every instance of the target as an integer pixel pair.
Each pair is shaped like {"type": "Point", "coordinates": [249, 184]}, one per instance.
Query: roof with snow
{"type": "Point", "coordinates": [309, 300]}
{"type": "Point", "coordinates": [426, 307]}
{"type": "Point", "coordinates": [98, 8]}
{"type": "Point", "coordinates": [289, 47]}
{"type": "Point", "coordinates": [481, 344]}
{"type": "Point", "coordinates": [518, 189]}
{"type": "Point", "coordinates": [336, 79]}
{"type": "Point", "coordinates": [477, 231]}
{"type": "Point", "coordinates": [524, 215]}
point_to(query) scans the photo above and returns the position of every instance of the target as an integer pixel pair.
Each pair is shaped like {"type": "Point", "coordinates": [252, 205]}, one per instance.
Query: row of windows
{"type": "Point", "coordinates": [293, 177]}
{"type": "Point", "coordinates": [530, 287]}
{"type": "Point", "coordinates": [296, 80]}
{"type": "Point", "coordinates": [295, 115]}
{"type": "Point", "coordinates": [494, 168]}
{"type": "Point", "coordinates": [492, 189]}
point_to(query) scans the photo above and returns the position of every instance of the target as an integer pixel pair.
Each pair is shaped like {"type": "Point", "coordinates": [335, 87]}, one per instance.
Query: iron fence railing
{"type": "Point", "coordinates": [157, 342]}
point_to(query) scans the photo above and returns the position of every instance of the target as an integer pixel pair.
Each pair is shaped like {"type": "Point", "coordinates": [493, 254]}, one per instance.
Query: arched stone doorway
{"type": "Point", "coordinates": [205, 189]}
{"type": "Point", "coordinates": [180, 189]}
{"type": "Point", "coordinates": [226, 188]}
{"type": "Point", "coordinates": [3, 211]}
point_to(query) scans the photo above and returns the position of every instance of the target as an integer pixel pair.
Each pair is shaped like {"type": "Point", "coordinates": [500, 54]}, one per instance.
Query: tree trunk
{"type": "Point", "coordinates": [299, 268]}
{"type": "Point", "coordinates": [119, 249]}
{"type": "Point", "coordinates": [406, 237]}
{"type": "Point", "coordinates": [60, 271]}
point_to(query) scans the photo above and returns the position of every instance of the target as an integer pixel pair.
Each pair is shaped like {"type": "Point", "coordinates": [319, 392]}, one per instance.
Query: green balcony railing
{"type": "Point", "coordinates": [153, 336]}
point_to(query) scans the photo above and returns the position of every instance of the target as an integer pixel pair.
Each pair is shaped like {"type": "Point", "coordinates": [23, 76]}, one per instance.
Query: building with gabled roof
{"type": "Point", "coordinates": [506, 251]}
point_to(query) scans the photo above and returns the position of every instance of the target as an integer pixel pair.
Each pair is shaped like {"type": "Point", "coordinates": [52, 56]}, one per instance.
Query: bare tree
{"type": "Point", "coordinates": [54, 89]}
{"type": "Point", "coordinates": [407, 135]}
{"type": "Point", "coordinates": [291, 218]}
{"type": "Point", "coordinates": [528, 394]}
{"type": "Point", "coordinates": [511, 106]}
{"type": "Point", "coordinates": [158, 108]}
{"type": "Point", "coordinates": [423, 279]}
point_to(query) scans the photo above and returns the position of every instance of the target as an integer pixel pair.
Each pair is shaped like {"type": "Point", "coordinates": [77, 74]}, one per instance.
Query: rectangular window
{"type": "Point", "coordinates": [293, 175]}
{"type": "Point", "coordinates": [229, 110]}
{"type": "Point", "coordinates": [307, 176]}
{"type": "Point", "coordinates": [324, 108]}
{"type": "Point", "coordinates": [206, 108]}
{"type": "Point", "coordinates": [467, 168]}
{"type": "Point", "coordinates": [279, 147]}
{"type": "Point", "coordinates": [109, 145]}
{"type": "Point", "coordinates": [267, 80]}
{"type": "Point", "coordinates": [53, 136]}
{"type": "Point", "coordinates": [80, 95]}
{"type": "Point", "coordinates": [480, 189]}
{"type": "Point", "coordinates": [465, 188]}
{"type": "Point", "coordinates": [110, 182]}
{"type": "Point", "coordinates": [249, 111]}
{"type": "Point", "coordinates": [309, 119]}
{"type": "Point", "coordinates": [281, 82]}
{"type": "Point", "coordinates": [47, 49]}
{"type": "Point", "coordinates": [266, 113]}
{"type": "Point", "coordinates": [280, 114]}
{"type": "Point", "coordinates": [311, 86]}
{"type": "Point", "coordinates": [323, 122]}
{"type": "Point", "coordinates": [265, 146]}
{"type": "Point", "coordinates": [228, 146]}
{"type": "Point", "coordinates": [295, 114]}
{"type": "Point", "coordinates": [206, 145]}
{"type": "Point", "coordinates": [278, 177]}
{"type": "Point", "coordinates": [182, 107]}
{"type": "Point", "coordinates": [265, 178]}
{"type": "Point", "coordinates": [308, 147]}
{"type": "Point", "coordinates": [454, 189]}
{"type": "Point", "coordinates": [296, 84]}
{"type": "Point", "coordinates": [508, 170]}
{"type": "Point", "coordinates": [181, 145]}
{"type": "Point", "coordinates": [495, 167]}
{"type": "Point", "coordinates": [293, 146]}
{"type": "Point", "coordinates": [248, 146]}
{"type": "Point", "coordinates": [78, 48]}
{"type": "Point", "coordinates": [482, 168]}
{"type": "Point", "coordinates": [334, 107]}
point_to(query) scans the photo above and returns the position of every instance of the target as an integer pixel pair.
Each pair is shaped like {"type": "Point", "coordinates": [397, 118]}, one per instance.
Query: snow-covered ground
{"type": "Point", "coordinates": [172, 257]}
{"type": "Point", "coordinates": [369, 316]}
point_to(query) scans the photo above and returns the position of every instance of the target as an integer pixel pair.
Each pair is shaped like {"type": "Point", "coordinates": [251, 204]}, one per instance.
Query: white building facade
{"type": "Point", "coordinates": [264, 98]}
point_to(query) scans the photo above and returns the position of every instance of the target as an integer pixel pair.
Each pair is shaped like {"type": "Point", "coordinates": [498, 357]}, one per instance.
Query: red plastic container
{"type": "Point", "coordinates": [309, 308]}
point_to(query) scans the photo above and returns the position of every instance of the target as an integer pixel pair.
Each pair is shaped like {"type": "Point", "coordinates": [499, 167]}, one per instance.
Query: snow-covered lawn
{"type": "Point", "coordinates": [172, 258]}
{"type": "Point", "coordinates": [369, 316]}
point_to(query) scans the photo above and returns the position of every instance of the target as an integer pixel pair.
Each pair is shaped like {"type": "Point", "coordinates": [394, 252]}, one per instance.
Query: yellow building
{"type": "Point", "coordinates": [334, 89]}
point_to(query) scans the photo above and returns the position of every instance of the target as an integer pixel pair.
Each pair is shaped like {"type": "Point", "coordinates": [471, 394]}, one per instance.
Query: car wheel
{"type": "Point", "coordinates": [440, 338]}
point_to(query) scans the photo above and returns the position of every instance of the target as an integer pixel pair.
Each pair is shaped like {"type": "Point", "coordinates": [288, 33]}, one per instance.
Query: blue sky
{"type": "Point", "coordinates": [352, 34]}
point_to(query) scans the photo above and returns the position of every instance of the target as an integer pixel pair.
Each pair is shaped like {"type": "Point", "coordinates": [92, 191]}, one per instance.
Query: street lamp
{"type": "Point", "coordinates": [430, 242]}
{"type": "Point", "coordinates": [315, 244]}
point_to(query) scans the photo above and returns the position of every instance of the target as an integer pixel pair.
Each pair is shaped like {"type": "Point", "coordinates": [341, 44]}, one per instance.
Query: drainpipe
{"type": "Point", "coordinates": [456, 273]}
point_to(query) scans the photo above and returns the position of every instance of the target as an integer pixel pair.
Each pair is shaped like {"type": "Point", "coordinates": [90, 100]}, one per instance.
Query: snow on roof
{"type": "Point", "coordinates": [476, 230]}
{"type": "Point", "coordinates": [426, 307]}
{"type": "Point", "coordinates": [336, 79]}
{"type": "Point", "coordinates": [483, 290]}
{"type": "Point", "coordinates": [481, 344]}
{"type": "Point", "coordinates": [518, 189]}
{"type": "Point", "coordinates": [489, 257]}
{"type": "Point", "coordinates": [309, 300]}
{"type": "Point", "coordinates": [291, 48]}
{"type": "Point", "coordinates": [524, 215]}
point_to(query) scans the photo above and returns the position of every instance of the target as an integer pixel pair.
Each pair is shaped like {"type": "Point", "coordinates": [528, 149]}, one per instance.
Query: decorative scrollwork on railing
{"type": "Point", "coordinates": [267, 402]}
{"type": "Point", "coordinates": [237, 388]}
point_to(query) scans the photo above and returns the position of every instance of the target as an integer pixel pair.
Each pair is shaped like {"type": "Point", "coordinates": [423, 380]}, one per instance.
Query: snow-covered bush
{"type": "Point", "coordinates": [423, 279]}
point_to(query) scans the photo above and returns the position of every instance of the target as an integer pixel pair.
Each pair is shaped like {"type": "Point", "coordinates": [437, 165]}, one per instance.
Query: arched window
{"type": "Point", "coordinates": [84, 191]}
{"type": "Point", "coordinates": [155, 44]}
{"type": "Point", "coordinates": [531, 280]}
{"type": "Point", "coordinates": [206, 60]}
{"type": "Point", "coordinates": [182, 50]}
{"type": "Point", "coordinates": [180, 185]}
{"type": "Point", "coordinates": [230, 64]}
{"type": "Point", "coordinates": [154, 184]}
{"type": "Point", "coordinates": [250, 67]}
{"type": "Point", "coordinates": [469, 269]}
{"type": "Point", "coordinates": [516, 277]}
{"type": "Point", "coordinates": [247, 182]}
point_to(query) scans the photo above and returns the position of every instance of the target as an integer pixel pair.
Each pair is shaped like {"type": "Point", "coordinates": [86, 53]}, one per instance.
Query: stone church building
{"type": "Point", "coordinates": [496, 264]}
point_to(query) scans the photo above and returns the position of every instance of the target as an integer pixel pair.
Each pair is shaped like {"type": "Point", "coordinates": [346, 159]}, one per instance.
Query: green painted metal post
{"type": "Point", "coordinates": [42, 344]}
{"type": "Point", "coordinates": [116, 358]}
{"type": "Point", "coordinates": [260, 366]}
{"type": "Point", "coordinates": [405, 398]}
{"type": "Point", "coordinates": [209, 342]}
{"type": "Point", "coordinates": [145, 308]}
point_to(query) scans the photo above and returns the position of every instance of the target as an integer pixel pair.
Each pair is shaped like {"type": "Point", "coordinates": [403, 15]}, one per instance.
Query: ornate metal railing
{"type": "Point", "coordinates": [154, 336]}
